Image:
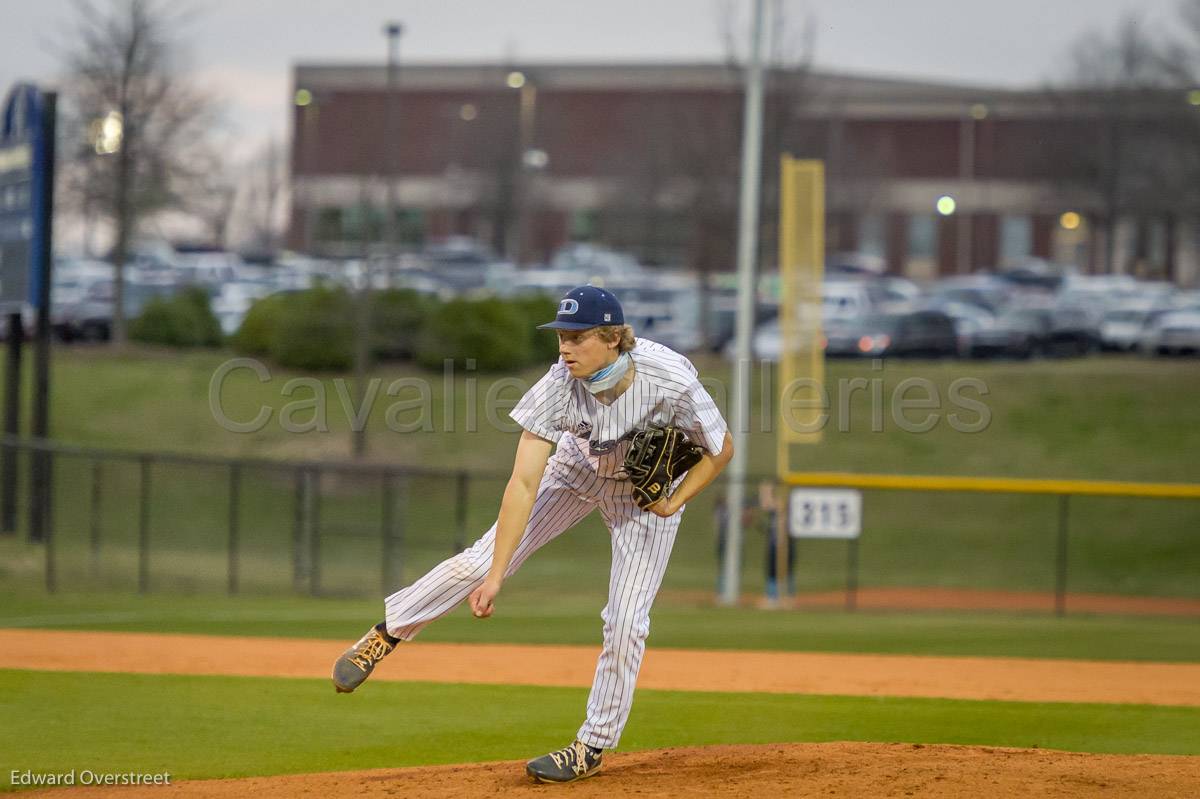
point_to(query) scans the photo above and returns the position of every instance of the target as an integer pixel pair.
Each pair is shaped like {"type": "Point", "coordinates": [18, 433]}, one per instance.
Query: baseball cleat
{"type": "Point", "coordinates": [575, 762]}
{"type": "Point", "coordinates": [356, 663]}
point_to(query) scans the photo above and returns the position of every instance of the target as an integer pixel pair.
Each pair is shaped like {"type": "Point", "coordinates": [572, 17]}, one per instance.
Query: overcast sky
{"type": "Point", "coordinates": [244, 49]}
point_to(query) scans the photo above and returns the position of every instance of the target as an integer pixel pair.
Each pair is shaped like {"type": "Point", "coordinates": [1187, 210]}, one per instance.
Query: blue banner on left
{"type": "Point", "coordinates": [25, 175]}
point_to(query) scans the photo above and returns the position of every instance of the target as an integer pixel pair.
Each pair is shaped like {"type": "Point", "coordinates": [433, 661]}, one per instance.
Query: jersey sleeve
{"type": "Point", "coordinates": [543, 409]}
{"type": "Point", "coordinates": [699, 416]}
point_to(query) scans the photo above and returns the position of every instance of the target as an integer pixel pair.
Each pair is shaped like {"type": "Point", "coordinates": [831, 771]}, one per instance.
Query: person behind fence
{"type": "Point", "coordinates": [769, 516]}
{"type": "Point", "coordinates": [610, 406]}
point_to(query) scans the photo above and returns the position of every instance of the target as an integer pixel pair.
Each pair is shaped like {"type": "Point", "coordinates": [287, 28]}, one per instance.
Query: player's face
{"type": "Point", "coordinates": [584, 352]}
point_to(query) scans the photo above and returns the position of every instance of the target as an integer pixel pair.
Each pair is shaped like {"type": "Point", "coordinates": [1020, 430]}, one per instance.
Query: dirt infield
{"type": "Point", "coordinates": [1013, 679]}
{"type": "Point", "coordinates": [827, 770]}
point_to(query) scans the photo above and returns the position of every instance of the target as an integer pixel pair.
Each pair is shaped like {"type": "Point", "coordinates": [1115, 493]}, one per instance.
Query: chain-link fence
{"type": "Point", "coordinates": [158, 522]}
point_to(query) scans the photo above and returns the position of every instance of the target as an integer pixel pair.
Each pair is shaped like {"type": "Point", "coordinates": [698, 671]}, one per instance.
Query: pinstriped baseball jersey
{"type": "Point", "coordinates": [666, 390]}
{"type": "Point", "coordinates": [581, 477]}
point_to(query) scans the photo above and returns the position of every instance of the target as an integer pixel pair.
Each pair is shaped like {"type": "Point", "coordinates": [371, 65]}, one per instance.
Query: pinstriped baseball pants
{"type": "Point", "coordinates": [641, 547]}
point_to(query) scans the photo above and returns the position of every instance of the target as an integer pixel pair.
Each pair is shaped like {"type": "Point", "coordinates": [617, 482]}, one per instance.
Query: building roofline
{"type": "Point", "coordinates": [651, 74]}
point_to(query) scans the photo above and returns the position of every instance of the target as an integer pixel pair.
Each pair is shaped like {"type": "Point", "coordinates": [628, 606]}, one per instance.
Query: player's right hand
{"type": "Point", "coordinates": [482, 599]}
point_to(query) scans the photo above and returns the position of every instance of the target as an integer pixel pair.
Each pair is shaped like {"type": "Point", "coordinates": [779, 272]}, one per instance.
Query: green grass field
{"type": "Point", "coordinates": [1110, 418]}
{"type": "Point", "coordinates": [529, 617]}
{"type": "Point", "coordinates": [208, 727]}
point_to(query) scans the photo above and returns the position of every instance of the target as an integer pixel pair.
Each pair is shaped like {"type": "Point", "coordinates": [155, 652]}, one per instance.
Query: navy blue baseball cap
{"type": "Point", "coordinates": [586, 307]}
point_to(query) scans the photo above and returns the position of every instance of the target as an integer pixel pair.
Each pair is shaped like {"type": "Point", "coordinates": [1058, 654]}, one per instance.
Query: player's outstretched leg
{"type": "Point", "coordinates": [356, 663]}
{"type": "Point", "coordinates": [574, 762]}
{"type": "Point", "coordinates": [445, 586]}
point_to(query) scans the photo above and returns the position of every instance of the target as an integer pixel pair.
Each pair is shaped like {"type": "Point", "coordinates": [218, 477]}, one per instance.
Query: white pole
{"type": "Point", "coordinates": [747, 249]}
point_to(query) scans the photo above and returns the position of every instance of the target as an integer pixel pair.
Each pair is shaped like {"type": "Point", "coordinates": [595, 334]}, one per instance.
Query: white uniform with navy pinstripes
{"type": "Point", "coordinates": [582, 476]}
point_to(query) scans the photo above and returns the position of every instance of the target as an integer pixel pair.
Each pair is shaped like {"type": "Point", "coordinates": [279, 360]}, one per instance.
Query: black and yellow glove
{"type": "Point", "coordinates": [656, 458]}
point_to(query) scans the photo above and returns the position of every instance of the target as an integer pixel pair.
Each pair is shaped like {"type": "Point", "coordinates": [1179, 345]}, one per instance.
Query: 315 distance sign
{"type": "Point", "coordinates": [825, 513]}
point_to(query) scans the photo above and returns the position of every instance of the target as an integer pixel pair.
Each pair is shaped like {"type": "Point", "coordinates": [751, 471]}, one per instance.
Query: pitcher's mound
{"type": "Point", "coordinates": [824, 770]}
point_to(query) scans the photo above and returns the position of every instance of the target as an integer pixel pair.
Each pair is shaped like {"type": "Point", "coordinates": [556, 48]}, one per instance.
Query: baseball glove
{"type": "Point", "coordinates": [656, 457]}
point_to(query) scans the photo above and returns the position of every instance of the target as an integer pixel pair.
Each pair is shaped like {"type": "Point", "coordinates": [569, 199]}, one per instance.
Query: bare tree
{"type": "Point", "coordinates": [137, 123]}
{"type": "Point", "coordinates": [711, 145]}
{"type": "Point", "coordinates": [1124, 136]}
{"type": "Point", "coordinates": [1182, 58]}
{"type": "Point", "coordinates": [214, 194]}
{"type": "Point", "coordinates": [267, 177]}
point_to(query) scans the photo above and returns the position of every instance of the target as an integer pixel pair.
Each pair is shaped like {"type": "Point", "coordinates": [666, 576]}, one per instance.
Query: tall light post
{"type": "Point", "coordinates": [746, 250]}
{"type": "Point", "coordinates": [528, 159]}
{"type": "Point", "coordinates": [966, 174]}
{"type": "Point", "coordinates": [392, 30]}
{"type": "Point", "coordinates": [362, 338]}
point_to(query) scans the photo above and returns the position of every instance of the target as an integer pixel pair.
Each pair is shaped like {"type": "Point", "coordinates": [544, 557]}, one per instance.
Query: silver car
{"type": "Point", "coordinates": [1175, 333]}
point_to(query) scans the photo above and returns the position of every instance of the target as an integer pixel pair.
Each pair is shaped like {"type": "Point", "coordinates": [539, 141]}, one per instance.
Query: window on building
{"type": "Point", "coordinates": [1016, 239]}
{"type": "Point", "coordinates": [410, 226]}
{"type": "Point", "coordinates": [362, 223]}
{"type": "Point", "coordinates": [872, 235]}
{"type": "Point", "coordinates": [922, 236]}
{"type": "Point", "coordinates": [922, 247]}
{"type": "Point", "coordinates": [583, 224]}
{"type": "Point", "coordinates": [328, 225]}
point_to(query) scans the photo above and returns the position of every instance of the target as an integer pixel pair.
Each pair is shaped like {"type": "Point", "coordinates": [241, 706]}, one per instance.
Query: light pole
{"type": "Point", "coordinates": [527, 160]}
{"type": "Point", "coordinates": [746, 251]}
{"type": "Point", "coordinates": [392, 30]}
{"type": "Point", "coordinates": [966, 175]}
{"type": "Point", "coordinates": [362, 338]}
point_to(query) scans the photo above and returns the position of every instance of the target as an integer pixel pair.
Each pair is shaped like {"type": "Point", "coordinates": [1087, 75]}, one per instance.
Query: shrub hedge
{"type": "Point", "coordinates": [314, 330]}
{"type": "Point", "coordinates": [181, 320]}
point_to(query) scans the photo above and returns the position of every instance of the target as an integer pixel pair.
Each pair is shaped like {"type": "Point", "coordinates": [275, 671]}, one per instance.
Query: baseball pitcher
{"type": "Point", "coordinates": [620, 425]}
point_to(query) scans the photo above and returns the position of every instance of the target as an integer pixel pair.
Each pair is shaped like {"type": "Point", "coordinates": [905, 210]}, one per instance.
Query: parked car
{"type": "Point", "coordinates": [845, 299]}
{"type": "Point", "coordinates": [90, 319]}
{"type": "Point", "coordinates": [927, 334]}
{"type": "Point", "coordinates": [662, 307]}
{"type": "Point", "coordinates": [1068, 331]}
{"type": "Point", "coordinates": [984, 291]}
{"type": "Point", "coordinates": [884, 292]}
{"type": "Point", "coordinates": [596, 261]}
{"type": "Point", "coordinates": [233, 300]}
{"type": "Point", "coordinates": [969, 319]}
{"type": "Point", "coordinates": [1014, 334]}
{"type": "Point", "coordinates": [1173, 333]}
{"type": "Point", "coordinates": [1121, 329]}
{"type": "Point", "coordinates": [1073, 331]}
{"type": "Point", "coordinates": [207, 267]}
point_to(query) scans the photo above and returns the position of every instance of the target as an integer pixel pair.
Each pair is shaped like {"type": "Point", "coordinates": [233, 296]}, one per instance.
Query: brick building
{"type": "Point", "coordinates": [645, 157]}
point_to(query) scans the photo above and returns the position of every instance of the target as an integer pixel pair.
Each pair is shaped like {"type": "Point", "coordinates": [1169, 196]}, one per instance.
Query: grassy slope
{"type": "Point", "coordinates": [1102, 418]}
{"type": "Point", "coordinates": [197, 727]}
{"type": "Point", "coordinates": [525, 617]}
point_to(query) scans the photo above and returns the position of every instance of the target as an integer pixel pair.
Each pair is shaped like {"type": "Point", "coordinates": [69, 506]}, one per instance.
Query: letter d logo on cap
{"type": "Point", "coordinates": [568, 307]}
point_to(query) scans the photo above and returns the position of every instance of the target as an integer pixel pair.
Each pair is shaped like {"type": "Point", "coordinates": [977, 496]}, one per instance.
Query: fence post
{"type": "Point", "coordinates": [40, 469]}
{"type": "Point", "coordinates": [47, 539]}
{"type": "Point", "coordinates": [298, 525]}
{"type": "Point", "coordinates": [235, 501]}
{"type": "Point", "coordinates": [12, 416]}
{"type": "Point", "coordinates": [852, 574]}
{"type": "Point", "coordinates": [144, 527]}
{"type": "Point", "coordinates": [385, 532]}
{"type": "Point", "coordinates": [460, 527]}
{"type": "Point", "coordinates": [94, 518]}
{"type": "Point", "coordinates": [1060, 577]}
{"type": "Point", "coordinates": [314, 532]}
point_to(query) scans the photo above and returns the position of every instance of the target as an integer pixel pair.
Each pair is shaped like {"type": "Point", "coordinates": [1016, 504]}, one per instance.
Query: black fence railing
{"type": "Point", "coordinates": [59, 478]}
{"type": "Point", "coordinates": [97, 519]}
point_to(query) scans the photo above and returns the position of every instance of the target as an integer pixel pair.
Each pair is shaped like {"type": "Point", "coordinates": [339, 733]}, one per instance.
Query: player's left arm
{"type": "Point", "coordinates": [696, 479]}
